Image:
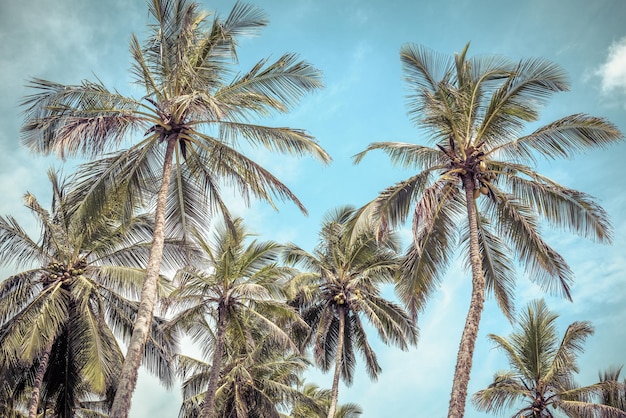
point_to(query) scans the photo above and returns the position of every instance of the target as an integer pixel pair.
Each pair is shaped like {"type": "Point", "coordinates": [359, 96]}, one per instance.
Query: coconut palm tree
{"type": "Point", "coordinates": [315, 404]}
{"type": "Point", "coordinates": [542, 369]}
{"type": "Point", "coordinates": [193, 116]}
{"type": "Point", "coordinates": [615, 396]}
{"type": "Point", "coordinates": [478, 182]}
{"type": "Point", "coordinates": [239, 290]}
{"type": "Point", "coordinates": [339, 288]}
{"type": "Point", "coordinates": [58, 319]}
{"type": "Point", "coordinates": [257, 381]}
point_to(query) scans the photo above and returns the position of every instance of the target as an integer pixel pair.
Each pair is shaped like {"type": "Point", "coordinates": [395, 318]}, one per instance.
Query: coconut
{"type": "Point", "coordinates": [484, 189]}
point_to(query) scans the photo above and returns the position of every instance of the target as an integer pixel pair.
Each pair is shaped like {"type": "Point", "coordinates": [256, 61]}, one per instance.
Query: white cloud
{"type": "Point", "coordinates": [613, 71]}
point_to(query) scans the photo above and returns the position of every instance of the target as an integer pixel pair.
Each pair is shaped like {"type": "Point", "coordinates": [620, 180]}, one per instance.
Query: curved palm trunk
{"type": "Point", "coordinates": [141, 329]}
{"type": "Point", "coordinates": [41, 371]}
{"type": "Point", "coordinates": [470, 332]}
{"type": "Point", "coordinates": [208, 405]}
{"type": "Point", "coordinates": [334, 395]}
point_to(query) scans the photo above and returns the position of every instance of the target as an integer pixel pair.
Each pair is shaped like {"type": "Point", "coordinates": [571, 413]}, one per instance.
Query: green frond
{"type": "Point", "coordinates": [434, 235]}
{"type": "Point", "coordinates": [283, 140]}
{"type": "Point", "coordinates": [565, 208]}
{"type": "Point", "coordinates": [518, 225]}
{"type": "Point", "coordinates": [116, 182]}
{"type": "Point", "coordinates": [407, 155]}
{"type": "Point", "coordinates": [16, 247]}
{"type": "Point", "coordinates": [39, 324]}
{"type": "Point", "coordinates": [569, 349]}
{"type": "Point", "coordinates": [98, 355]}
{"type": "Point", "coordinates": [590, 409]}
{"type": "Point", "coordinates": [234, 169]}
{"type": "Point", "coordinates": [277, 86]}
{"type": "Point", "coordinates": [504, 393]}
{"type": "Point", "coordinates": [16, 292]}
{"type": "Point", "coordinates": [562, 138]}
{"type": "Point", "coordinates": [60, 117]}
{"type": "Point", "coordinates": [424, 68]}
{"type": "Point", "coordinates": [517, 101]}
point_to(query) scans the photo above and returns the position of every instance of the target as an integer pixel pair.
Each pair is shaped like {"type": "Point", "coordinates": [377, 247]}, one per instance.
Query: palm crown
{"type": "Point", "coordinates": [478, 182]}
{"type": "Point", "coordinates": [239, 289]}
{"type": "Point", "coordinates": [58, 319]}
{"type": "Point", "coordinates": [339, 287]}
{"type": "Point", "coordinates": [542, 370]}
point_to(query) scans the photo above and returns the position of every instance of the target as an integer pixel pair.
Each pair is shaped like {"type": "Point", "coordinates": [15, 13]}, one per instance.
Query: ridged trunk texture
{"type": "Point", "coordinates": [470, 332]}
{"type": "Point", "coordinates": [208, 405]}
{"type": "Point", "coordinates": [141, 329]}
{"type": "Point", "coordinates": [334, 396]}
{"type": "Point", "coordinates": [41, 371]}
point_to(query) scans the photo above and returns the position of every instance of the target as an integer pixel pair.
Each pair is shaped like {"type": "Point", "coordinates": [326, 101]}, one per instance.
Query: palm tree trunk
{"type": "Point", "coordinates": [208, 405]}
{"type": "Point", "coordinates": [334, 394]}
{"type": "Point", "coordinates": [141, 329]}
{"type": "Point", "coordinates": [470, 332]}
{"type": "Point", "coordinates": [41, 371]}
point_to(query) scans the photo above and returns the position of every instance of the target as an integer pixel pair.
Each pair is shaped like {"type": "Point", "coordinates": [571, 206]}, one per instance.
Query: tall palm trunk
{"type": "Point", "coordinates": [334, 395]}
{"type": "Point", "coordinates": [208, 405]}
{"type": "Point", "coordinates": [141, 329]}
{"type": "Point", "coordinates": [41, 371]}
{"type": "Point", "coordinates": [470, 332]}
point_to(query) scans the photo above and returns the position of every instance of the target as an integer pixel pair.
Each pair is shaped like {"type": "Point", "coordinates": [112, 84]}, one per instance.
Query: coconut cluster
{"type": "Point", "coordinates": [484, 177]}
{"type": "Point", "coordinates": [340, 298]}
{"type": "Point", "coordinates": [59, 271]}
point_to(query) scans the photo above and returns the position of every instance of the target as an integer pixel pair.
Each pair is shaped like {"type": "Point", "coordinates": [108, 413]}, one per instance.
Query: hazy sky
{"type": "Point", "coordinates": [356, 44]}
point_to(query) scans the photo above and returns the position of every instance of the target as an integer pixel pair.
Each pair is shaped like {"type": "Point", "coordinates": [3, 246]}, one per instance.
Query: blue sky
{"type": "Point", "coordinates": [356, 44]}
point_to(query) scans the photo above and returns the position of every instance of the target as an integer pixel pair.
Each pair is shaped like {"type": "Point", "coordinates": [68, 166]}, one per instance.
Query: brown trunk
{"type": "Point", "coordinates": [470, 332]}
{"type": "Point", "coordinates": [141, 329]}
{"type": "Point", "coordinates": [41, 371]}
{"type": "Point", "coordinates": [334, 395]}
{"type": "Point", "coordinates": [208, 405]}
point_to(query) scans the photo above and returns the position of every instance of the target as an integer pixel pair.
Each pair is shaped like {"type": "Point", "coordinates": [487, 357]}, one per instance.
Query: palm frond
{"type": "Point", "coordinates": [59, 117]}
{"type": "Point", "coordinates": [277, 86]}
{"type": "Point", "coordinates": [565, 208]}
{"type": "Point", "coordinates": [518, 225]}
{"type": "Point", "coordinates": [16, 247]}
{"type": "Point", "coordinates": [283, 140]}
{"type": "Point", "coordinates": [504, 393]}
{"type": "Point", "coordinates": [426, 259]}
{"type": "Point", "coordinates": [562, 138]}
{"type": "Point", "coordinates": [407, 155]}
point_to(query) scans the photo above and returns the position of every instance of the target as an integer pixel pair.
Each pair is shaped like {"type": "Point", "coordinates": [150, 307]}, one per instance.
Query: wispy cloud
{"type": "Point", "coordinates": [613, 70]}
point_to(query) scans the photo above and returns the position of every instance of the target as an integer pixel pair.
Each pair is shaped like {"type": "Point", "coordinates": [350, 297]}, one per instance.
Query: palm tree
{"type": "Point", "coordinates": [615, 396]}
{"type": "Point", "coordinates": [479, 180]}
{"type": "Point", "coordinates": [316, 401]}
{"type": "Point", "coordinates": [542, 368]}
{"type": "Point", "coordinates": [239, 290]}
{"type": "Point", "coordinates": [340, 286]}
{"type": "Point", "coordinates": [58, 320]}
{"type": "Point", "coordinates": [193, 118]}
{"type": "Point", "coordinates": [256, 381]}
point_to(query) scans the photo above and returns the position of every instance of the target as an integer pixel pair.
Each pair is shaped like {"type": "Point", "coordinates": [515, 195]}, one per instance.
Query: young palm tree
{"type": "Point", "coordinates": [239, 290]}
{"type": "Point", "coordinates": [340, 287]}
{"type": "Point", "coordinates": [256, 382]}
{"type": "Point", "coordinates": [615, 396]}
{"type": "Point", "coordinates": [542, 368]}
{"type": "Point", "coordinates": [316, 401]}
{"type": "Point", "coordinates": [479, 180]}
{"type": "Point", "coordinates": [58, 319]}
{"type": "Point", "coordinates": [193, 116]}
